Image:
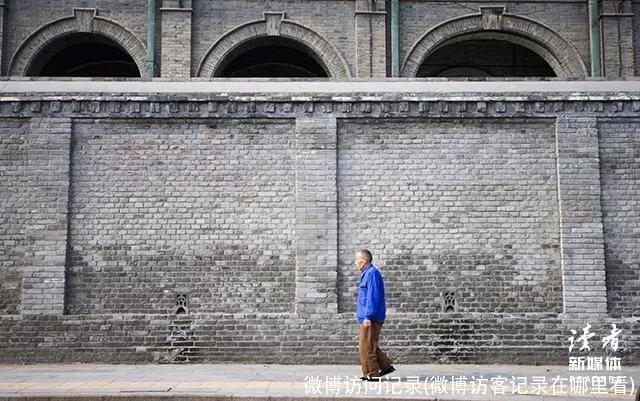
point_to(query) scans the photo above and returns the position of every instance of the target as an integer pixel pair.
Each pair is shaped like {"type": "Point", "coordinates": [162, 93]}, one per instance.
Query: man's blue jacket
{"type": "Point", "coordinates": [370, 304]}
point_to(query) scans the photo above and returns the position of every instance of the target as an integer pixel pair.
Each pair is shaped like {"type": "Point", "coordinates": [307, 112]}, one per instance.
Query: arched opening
{"type": "Point", "coordinates": [83, 55]}
{"type": "Point", "coordinates": [484, 58]}
{"type": "Point", "coordinates": [271, 57]}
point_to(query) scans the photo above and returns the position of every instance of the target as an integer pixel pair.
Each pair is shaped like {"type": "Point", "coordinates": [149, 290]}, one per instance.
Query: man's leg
{"type": "Point", "coordinates": [367, 347]}
{"type": "Point", "coordinates": [382, 358]}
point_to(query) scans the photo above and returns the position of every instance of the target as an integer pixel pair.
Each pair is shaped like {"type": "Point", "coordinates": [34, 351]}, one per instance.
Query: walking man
{"type": "Point", "coordinates": [370, 314]}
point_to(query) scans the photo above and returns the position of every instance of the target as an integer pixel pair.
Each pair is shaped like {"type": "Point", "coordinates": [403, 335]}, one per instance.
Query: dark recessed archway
{"type": "Point", "coordinates": [83, 55]}
{"type": "Point", "coordinates": [271, 57]}
{"type": "Point", "coordinates": [484, 58]}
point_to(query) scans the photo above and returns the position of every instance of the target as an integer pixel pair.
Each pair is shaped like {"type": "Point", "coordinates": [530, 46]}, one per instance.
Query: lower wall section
{"type": "Point", "coordinates": [222, 229]}
{"type": "Point", "coordinates": [289, 339]}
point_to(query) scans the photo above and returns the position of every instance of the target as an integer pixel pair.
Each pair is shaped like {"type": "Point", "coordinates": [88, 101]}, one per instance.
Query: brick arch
{"type": "Point", "coordinates": [561, 56]}
{"type": "Point", "coordinates": [274, 24]}
{"type": "Point", "coordinates": [47, 34]}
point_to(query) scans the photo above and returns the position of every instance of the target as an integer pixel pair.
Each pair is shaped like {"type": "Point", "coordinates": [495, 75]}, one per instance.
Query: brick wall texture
{"type": "Point", "coordinates": [246, 211]}
{"type": "Point", "coordinates": [355, 32]}
{"type": "Point", "coordinates": [195, 227]}
{"type": "Point", "coordinates": [619, 155]}
{"type": "Point", "coordinates": [14, 183]}
{"type": "Point", "coordinates": [407, 188]}
{"type": "Point", "coordinates": [160, 206]}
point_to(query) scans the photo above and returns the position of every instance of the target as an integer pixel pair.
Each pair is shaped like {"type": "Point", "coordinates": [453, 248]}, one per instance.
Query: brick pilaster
{"type": "Point", "coordinates": [617, 45]}
{"type": "Point", "coordinates": [582, 239]}
{"type": "Point", "coordinates": [176, 39]}
{"type": "Point", "coordinates": [43, 280]}
{"type": "Point", "coordinates": [316, 215]}
{"type": "Point", "coordinates": [370, 33]}
{"type": "Point", "coordinates": [2, 12]}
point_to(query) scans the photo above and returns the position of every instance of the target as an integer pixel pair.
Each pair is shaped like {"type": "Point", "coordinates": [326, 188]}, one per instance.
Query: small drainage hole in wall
{"type": "Point", "coordinates": [181, 304]}
{"type": "Point", "coordinates": [449, 305]}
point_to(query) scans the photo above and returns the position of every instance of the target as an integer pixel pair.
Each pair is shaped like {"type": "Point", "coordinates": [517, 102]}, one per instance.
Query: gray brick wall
{"type": "Point", "coordinates": [316, 216]}
{"type": "Point", "coordinates": [43, 277]}
{"type": "Point", "coordinates": [259, 338]}
{"type": "Point", "coordinates": [617, 45]}
{"type": "Point", "coordinates": [163, 208]}
{"type": "Point", "coordinates": [176, 38]}
{"type": "Point", "coordinates": [2, 40]}
{"type": "Point", "coordinates": [252, 206]}
{"type": "Point", "coordinates": [14, 212]}
{"type": "Point", "coordinates": [582, 240]}
{"type": "Point", "coordinates": [337, 21]}
{"type": "Point", "coordinates": [619, 150]}
{"type": "Point", "coordinates": [635, 9]}
{"type": "Point", "coordinates": [370, 33]}
{"type": "Point", "coordinates": [467, 205]}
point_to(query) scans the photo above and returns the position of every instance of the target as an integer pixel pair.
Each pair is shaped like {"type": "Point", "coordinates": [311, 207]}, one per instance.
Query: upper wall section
{"type": "Point", "coordinates": [23, 19]}
{"type": "Point", "coordinates": [567, 21]}
{"type": "Point", "coordinates": [348, 38]}
{"type": "Point", "coordinates": [42, 44]}
{"type": "Point", "coordinates": [636, 38]}
{"type": "Point", "coordinates": [492, 24]}
{"type": "Point", "coordinates": [273, 25]}
{"type": "Point", "coordinates": [324, 26]}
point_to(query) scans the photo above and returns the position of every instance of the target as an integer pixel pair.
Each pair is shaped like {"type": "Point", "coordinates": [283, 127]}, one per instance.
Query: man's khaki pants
{"type": "Point", "coordinates": [372, 359]}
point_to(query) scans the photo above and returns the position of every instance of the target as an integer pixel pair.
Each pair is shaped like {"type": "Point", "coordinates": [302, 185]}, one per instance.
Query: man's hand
{"type": "Point", "coordinates": [366, 324]}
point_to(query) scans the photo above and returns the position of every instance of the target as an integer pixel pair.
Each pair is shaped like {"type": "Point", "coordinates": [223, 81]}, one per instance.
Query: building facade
{"type": "Point", "coordinates": [332, 38]}
{"type": "Point", "coordinates": [196, 218]}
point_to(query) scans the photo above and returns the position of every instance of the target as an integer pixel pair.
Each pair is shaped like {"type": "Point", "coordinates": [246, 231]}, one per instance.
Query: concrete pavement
{"type": "Point", "coordinates": [87, 382]}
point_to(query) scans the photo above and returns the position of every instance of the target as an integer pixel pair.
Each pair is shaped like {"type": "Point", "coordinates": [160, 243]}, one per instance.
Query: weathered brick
{"type": "Point", "coordinates": [255, 217]}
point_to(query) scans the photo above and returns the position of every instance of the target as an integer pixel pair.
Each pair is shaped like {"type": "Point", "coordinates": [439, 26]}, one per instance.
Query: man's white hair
{"type": "Point", "coordinates": [365, 253]}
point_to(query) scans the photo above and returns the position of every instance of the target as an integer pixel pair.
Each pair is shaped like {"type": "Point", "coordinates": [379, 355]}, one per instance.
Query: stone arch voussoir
{"type": "Point", "coordinates": [323, 50]}
{"type": "Point", "coordinates": [34, 44]}
{"type": "Point", "coordinates": [561, 56]}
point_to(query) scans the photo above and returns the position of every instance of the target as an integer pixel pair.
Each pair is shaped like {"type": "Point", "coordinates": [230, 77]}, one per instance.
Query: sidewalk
{"type": "Point", "coordinates": [89, 382]}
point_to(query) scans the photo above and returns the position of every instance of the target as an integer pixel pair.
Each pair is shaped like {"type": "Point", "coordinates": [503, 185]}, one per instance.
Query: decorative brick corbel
{"type": "Point", "coordinates": [492, 17]}
{"type": "Point", "coordinates": [274, 20]}
{"type": "Point", "coordinates": [84, 18]}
